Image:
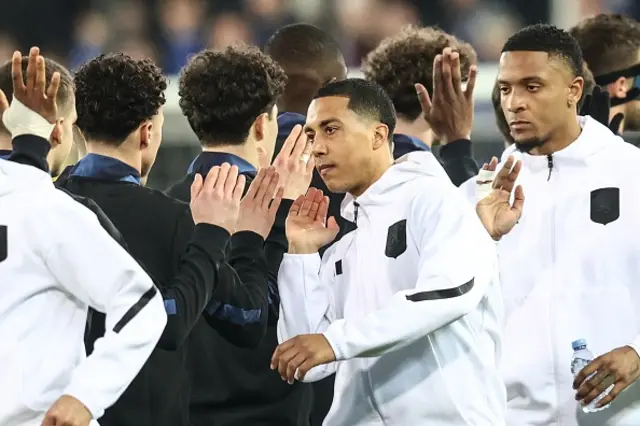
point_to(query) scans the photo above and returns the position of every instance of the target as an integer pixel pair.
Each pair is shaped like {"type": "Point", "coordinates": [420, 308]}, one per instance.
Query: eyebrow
{"type": "Point", "coordinates": [524, 80]}
{"type": "Point", "coordinates": [322, 124]}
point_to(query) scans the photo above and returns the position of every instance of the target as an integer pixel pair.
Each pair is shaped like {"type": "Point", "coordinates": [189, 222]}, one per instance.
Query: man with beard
{"type": "Point", "coordinates": [569, 255]}
{"type": "Point", "coordinates": [611, 47]}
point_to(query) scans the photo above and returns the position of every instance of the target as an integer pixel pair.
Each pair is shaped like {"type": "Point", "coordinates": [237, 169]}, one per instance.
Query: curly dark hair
{"type": "Point", "coordinates": [609, 42]}
{"type": "Point", "coordinates": [550, 39]}
{"type": "Point", "coordinates": [115, 94]}
{"type": "Point", "coordinates": [223, 92]}
{"type": "Point", "coordinates": [65, 92]}
{"type": "Point", "coordinates": [406, 58]}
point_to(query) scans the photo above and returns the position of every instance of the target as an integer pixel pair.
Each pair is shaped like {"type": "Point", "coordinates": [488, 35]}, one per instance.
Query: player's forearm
{"type": "Point", "coordinates": [304, 300]}
{"type": "Point", "coordinates": [409, 317]}
{"type": "Point", "coordinates": [238, 309]}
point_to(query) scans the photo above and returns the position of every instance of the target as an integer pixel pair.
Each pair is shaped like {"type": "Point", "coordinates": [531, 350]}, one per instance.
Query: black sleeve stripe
{"type": "Point", "coordinates": [442, 294]}
{"type": "Point", "coordinates": [137, 307]}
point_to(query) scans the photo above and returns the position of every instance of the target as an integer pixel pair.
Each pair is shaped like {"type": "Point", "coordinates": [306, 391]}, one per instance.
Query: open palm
{"type": "Point", "coordinates": [307, 226]}
{"type": "Point", "coordinates": [497, 213]}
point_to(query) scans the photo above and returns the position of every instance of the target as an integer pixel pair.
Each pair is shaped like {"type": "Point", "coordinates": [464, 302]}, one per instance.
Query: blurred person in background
{"type": "Point", "coordinates": [227, 29]}
{"type": "Point", "coordinates": [611, 47]}
{"type": "Point", "coordinates": [230, 99]}
{"type": "Point", "coordinates": [119, 102]}
{"type": "Point", "coordinates": [181, 21]}
{"type": "Point", "coordinates": [397, 64]}
{"type": "Point", "coordinates": [61, 139]}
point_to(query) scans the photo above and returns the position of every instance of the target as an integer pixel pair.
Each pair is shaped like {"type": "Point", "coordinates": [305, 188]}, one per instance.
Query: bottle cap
{"type": "Point", "coordinates": [578, 343]}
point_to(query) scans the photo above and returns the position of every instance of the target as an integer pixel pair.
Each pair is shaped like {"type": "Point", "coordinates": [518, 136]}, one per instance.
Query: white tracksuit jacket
{"type": "Point", "coordinates": [410, 303]}
{"type": "Point", "coordinates": [55, 262]}
{"type": "Point", "coordinates": [570, 269]}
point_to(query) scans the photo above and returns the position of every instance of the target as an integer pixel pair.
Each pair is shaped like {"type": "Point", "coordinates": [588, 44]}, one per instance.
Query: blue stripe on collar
{"type": "Point", "coordinates": [5, 153]}
{"type": "Point", "coordinates": [206, 160]}
{"type": "Point", "coordinates": [102, 167]}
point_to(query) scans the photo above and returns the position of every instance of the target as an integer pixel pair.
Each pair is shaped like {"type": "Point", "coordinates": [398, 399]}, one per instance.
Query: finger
{"type": "Point", "coordinates": [292, 367]}
{"type": "Point", "coordinates": [4, 103]}
{"type": "Point", "coordinates": [40, 81]}
{"type": "Point", "coordinates": [315, 204]}
{"type": "Point", "coordinates": [255, 184]}
{"type": "Point", "coordinates": [591, 368]}
{"type": "Point", "coordinates": [447, 83]}
{"type": "Point", "coordinates": [280, 349]}
{"type": "Point", "coordinates": [32, 68]}
{"type": "Point", "coordinates": [485, 166]}
{"type": "Point", "coordinates": [232, 180]}
{"type": "Point", "coordinates": [590, 387]}
{"type": "Point", "coordinates": [275, 203]}
{"type": "Point", "coordinates": [438, 89]}
{"type": "Point", "coordinates": [270, 191]}
{"type": "Point", "coordinates": [423, 97]}
{"type": "Point", "coordinates": [290, 142]}
{"type": "Point", "coordinates": [308, 201]}
{"type": "Point", "coordinates": [295, 207]}
{"type": "Point", "coordinates": [504, 172]}
{"type": "Point", "coordinates": [16, 73]}
{"type": "Point", "coordinates": [284, 361]}
{"type": "Point", "coordinates": [222, 177]}
{"type": "Point", "coordinates": [493, 163]}
{"type": "Point", "coordinates": [456, 74]}
{"type": "Point", "coordinates": [471, 82]}
{"type": "Point", "coordinates": [615, 391]}
{"type": "Point", "coordinates": [265, 186]}
{"type": "Point", "coordinates": [241, 182]}
{"type": "Point", "coordinates": [332, 223]}
{"type": "Point", "coordinates": [196, 186]}
{"type": "Point", "coordinates": [323, 209]}
{"type": "Point", "coordinates": [54, 86]}
{"type": "Point", "coordinates": [211, 179]}
{"type": "Point", "coordinates": [305, 367]}
{"type": "Point", "coordinates": [518, 201]}
{"type": "Point", "coordinates": [299, 145]}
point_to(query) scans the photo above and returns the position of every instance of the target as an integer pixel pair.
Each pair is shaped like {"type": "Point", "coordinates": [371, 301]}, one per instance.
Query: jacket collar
{"type": "Point", "coordinates": [106, 168]}
{"type": "Point", "coordinates": [5, 153]}
{"type": "Point", "coordinates": [207, 160]}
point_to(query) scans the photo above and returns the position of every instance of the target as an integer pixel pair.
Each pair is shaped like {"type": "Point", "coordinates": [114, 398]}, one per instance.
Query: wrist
{"type": "Point", "coordinates": [302, 248]}
{"type": "Point", "coordinates": [447, 138]}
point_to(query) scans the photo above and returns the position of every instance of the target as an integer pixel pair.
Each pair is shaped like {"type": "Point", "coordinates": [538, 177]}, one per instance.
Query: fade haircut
{"type": "Point", "coordinates": [609, 42]}
{"type": "Point", "coordinates": [115, 94]}
{"type": "Point", "coordinates": [550, 39]}
{"type": "Point", "coordinates": [366, 98]}
{"type": "Point", "coordinates": [65, 92]}
{"type": "Point", "coordinates": [223, 92]}
{"type": "Point", "coordinates": [406, 58]}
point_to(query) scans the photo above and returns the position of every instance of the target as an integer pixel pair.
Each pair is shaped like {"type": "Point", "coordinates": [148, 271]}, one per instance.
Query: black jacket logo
{"type": "Point", "coordinates": [4, 243]}
{"type": "Point", "coordinates": [605, 205]}
{"type": "Point", "coordinates": [396, 239]}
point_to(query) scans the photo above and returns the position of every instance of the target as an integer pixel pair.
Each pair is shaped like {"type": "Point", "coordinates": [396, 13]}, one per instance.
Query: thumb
{"type": "Point", "coordinates": [4, 103]}
{"type": "Point", "coordinates": [263, 159]}
{"type": "Point", "coordinates": [423, 97]}
{"type": "Point", "coordinates": [196, 186]}
{"type": "Point", "coordinates": [333, 224]}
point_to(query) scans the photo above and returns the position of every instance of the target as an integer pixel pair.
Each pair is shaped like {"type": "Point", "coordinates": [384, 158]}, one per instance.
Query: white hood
{"type": "Point", "coordinates": [406, 168]}
{"type": "Point", "coordinates": [17, 177]}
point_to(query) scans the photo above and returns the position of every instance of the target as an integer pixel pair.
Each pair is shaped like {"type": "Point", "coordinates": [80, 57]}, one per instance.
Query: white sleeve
{"type": "Point", "coordinates": [99, 272]}
{"type": "Point", "coordinates": [456, 264]}
{"type": "Point", "coordinates": [305, 302]}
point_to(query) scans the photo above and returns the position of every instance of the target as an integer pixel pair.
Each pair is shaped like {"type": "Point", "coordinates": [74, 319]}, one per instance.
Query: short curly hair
{"type": "Point", "coordinates": [609, 42]}
{"type": "Point", "coordinates": [223, 92]}
{"type": "Point", "coordinates": [115, 94]}
{"type": "Point", "coordinates": [550, 39]}
{"type": "Point", "coordinates": [406, 58]}
{"type": "Point", "coordinates": [65, 92]}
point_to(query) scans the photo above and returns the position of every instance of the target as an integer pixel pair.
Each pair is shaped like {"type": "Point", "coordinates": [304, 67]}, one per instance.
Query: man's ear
{"type": "Point", "coordinates": [381, 137]}
{"type": "Point", "coordinates": [618, 89]}
{"type": "Point", "coordinates": [57, 135]}
{"type": "Point", "coordinates": [259, 126]}
{"type": "Point", "coordinates": [575, 90]}
{"type": "Point", "coordinates": [145, 134]}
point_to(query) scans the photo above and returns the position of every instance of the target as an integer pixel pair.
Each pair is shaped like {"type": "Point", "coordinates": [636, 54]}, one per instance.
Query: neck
{"type": "Point", "coordinates": [561, 140]}
{"type": "Point", "coordinates": [417, 128]}
{"type": "Point", "coordinates": [122, 153]}
{"type": "Point", "coordinates": [376, 173]}
{"type": "Point", "coordinates": [618, 109]}
{"type": "Point", "coordinates": [5, 142]}
{"type": "Point", "coordinates": [247, 151]}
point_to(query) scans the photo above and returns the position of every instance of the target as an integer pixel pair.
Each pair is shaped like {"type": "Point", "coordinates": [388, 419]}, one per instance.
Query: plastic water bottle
{"type": "Point", "coordinates": [581, 357]}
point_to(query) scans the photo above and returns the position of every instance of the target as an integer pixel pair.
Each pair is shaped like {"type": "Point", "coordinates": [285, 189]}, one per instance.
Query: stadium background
{"type": "Point", "coordinates": [73, 31]}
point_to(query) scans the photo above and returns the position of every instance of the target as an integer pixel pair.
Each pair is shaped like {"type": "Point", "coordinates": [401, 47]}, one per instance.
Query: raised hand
{"type": "Point", "coordinates": [67, 411]}
{"type": "Point", "coordinates": [307, 226]}
{"type": "Point", "coordinates": [258, 207]}
{"type": "Point", "coordinates": [295, 164]}
{"type": "Point", "coordinates": [450, 112]}
{"type": "Point", "coordinates": [598, 106]}
{"type": "Point", "coordinates": [485, 178]}
{"type": "Point", "coordinates": [216, 199]}
{"type": "Point", "coordinates": [495, 211]}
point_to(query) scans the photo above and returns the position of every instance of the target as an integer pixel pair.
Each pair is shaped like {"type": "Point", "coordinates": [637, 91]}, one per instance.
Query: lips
{"type": "Point", "coordinates": [519, 124]}
{"type": "Point", "coordinates": [325, 168]}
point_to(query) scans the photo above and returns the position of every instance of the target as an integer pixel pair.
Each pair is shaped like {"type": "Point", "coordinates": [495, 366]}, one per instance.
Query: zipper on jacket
{"type": "Point", "coordinates": [355, 214]}
{"type": "Point", "coordinates": [549, 165]}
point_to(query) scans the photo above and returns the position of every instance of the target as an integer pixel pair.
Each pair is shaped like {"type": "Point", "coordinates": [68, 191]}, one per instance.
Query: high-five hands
{"type": "Point", "coordinates": [307, 226]}
{"type": "Point", "coordinates": [495, 211]}
{"type": "Point", "coordinates": [450, 111]}
{"type": "Point", "coordinates": [32, 91]}
{"type": "Point", "coordinates": [295, 164]}
{"type": "Point", "coordinates": [259, 207]}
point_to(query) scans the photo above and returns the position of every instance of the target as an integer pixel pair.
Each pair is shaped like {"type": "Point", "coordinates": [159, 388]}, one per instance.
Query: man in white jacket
{"type": "Point", "coordinates": [407, 308]}
{"type": "Point", "coordinates": [56, 261]}
{"type": "Point", "coordinates": [569, 254]}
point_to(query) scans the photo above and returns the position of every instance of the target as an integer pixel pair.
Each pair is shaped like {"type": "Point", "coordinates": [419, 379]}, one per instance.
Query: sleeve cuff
{"type": "Point", "coordinates": [211, 238]}
{"type": "Point", "coordinates": [78, 394]}
{"type": "Point", "coordinates": [246, 238]}
{"type": "Point", "coordinates": [456, 149]}
{"type": "Point", "coordinates": [335, 336]}
{"type": "Point", "coordinates": [32, 144]}
{"type": "Point", "coordinates": [636, 346]}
